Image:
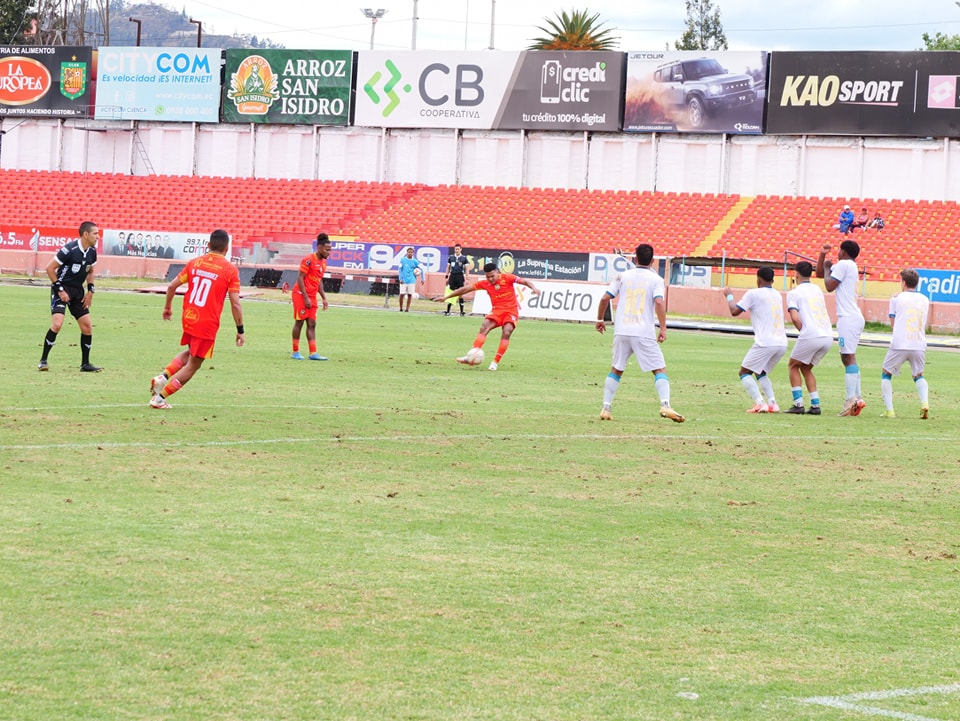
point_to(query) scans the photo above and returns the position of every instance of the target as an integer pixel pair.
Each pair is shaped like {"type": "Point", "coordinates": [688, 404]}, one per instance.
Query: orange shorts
{"type": "Point", "coordinates": [199, 347]}
{"type": "Point", "coordinates": [300, 312]}
{"type": "Point", "coordinates": [502, 317]}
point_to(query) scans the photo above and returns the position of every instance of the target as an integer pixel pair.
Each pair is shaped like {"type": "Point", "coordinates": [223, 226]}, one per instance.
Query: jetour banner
{"type": "Point", "coordinates": [864, 93]}
{"type": "Point", "coordinates": [46, 81]}
{"type": "Point", "coordinates": [163, 84]}
{"type": "Point", "coordinates": [304, 87]}
{"type": "Point", "coordinates": [695, 91]}
{"type": "Point", "coordinates": [489, 90]}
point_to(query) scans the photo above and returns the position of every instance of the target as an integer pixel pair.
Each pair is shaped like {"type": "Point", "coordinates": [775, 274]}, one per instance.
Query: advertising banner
{"type": "Point", "coordinates": [942, 286]}
{"type": "Point", "coordinates": [483, 90]}
{"type": "Point", "coordinates": [564, 91]}
{"type": "Point", "coordinates": [303, 87]}
{"type": "Point", "coordinates": [531, 264]}
{"type": "Point", "coordinates": [695, 91]}
{"type": "Point", "coordinates": [46, 81]}
{"type": "Point", "coordinates": [154, 244]}
{"type": "Point", "coordinates": [864, 93]}
{"type": "Point", "coordinates": [24, 237]}
{"type": "Point", "coordinates": [161, 84]}
{"type": "Point", "coordinates": [558, 300]}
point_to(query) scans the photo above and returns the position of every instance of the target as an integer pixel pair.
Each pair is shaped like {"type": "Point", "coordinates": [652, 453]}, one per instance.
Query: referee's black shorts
{"type": "Point", "coordinates": [75, 304]}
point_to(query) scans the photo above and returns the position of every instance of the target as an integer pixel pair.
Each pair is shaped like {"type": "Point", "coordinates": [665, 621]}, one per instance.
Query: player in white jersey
{"type": "Point", "coordinates": [841, 279]}
{"type": "Point", "coordinates": [808, 311]}
{"type": "Point", "coordinates": [908, 320]}
{"type": "Point", "coordinates": [640, 293]}
{"type": "Point", "coordinates": [765, 306]}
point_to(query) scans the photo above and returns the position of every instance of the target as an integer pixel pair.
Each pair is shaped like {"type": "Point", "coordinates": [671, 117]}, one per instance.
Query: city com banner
{"type": "Point", "coordinates": [303, 87]}
{"type": "Point", "coordinates": [46, 81]}
{"type": "Point", "coordinates": [695, 91]}
{"type": "Point", "coordinates": [162, 84]}
{"type": "Point", "coordinates": [489, 90]}
{"type": "Point", "coordinates": [864, 93]}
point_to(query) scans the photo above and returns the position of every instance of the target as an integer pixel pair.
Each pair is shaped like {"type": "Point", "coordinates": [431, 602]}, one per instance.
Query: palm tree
{"type": "Point", "coordinates": [575, 31]}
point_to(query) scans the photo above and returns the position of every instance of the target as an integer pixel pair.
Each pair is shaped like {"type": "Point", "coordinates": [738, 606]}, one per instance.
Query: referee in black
{"type": "Point", "coordinates": [69, 269]}
{"type": "Point", "coordinates": [456, 274]}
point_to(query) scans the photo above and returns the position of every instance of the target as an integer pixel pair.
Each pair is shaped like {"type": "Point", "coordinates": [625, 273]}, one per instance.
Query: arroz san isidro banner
{"type": "Point", "coordinates": [45, 81]}
{"type": "Point", "coordinates": [304, 87]}
{"type": "Point", "coordinates": [489, 90]}
{"type": "Point", "coordinates": [864, 93]}
{"type": "Point", "coordinates": [162, 84]}
{"type": "Point", "coordinates": [695, 91]}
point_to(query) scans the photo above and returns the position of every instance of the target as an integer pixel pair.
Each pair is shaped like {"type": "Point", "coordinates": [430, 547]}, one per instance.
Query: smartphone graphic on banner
{"type": "Point", "coordinates": [550, 82]}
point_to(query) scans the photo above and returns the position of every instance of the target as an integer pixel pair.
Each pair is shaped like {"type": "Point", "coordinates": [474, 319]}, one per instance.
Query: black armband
{"type": "Point", "coordinates": [91, 288]}
{"type": "Point", "coordinates": [240, 329]}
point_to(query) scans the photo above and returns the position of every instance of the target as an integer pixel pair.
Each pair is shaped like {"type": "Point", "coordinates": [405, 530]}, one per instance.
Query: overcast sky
{"type": "Point", "coordinates": [640, 24]}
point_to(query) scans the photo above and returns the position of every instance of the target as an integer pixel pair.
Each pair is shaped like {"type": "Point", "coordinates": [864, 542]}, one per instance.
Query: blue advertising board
{"type": "Point", "coordinates": [940, 286]}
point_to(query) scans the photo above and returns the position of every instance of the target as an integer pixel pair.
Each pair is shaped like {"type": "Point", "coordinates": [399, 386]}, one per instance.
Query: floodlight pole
{"type": "Point", "coordinates": [493, 20]}
{"type": "Point", "coordinates": [199, 30]}
{"type": "Point", "coordinates": [413, 41]}
{"type": "Point", "coordinates": [139, 25]}
{"type": "Point", "coordinates": [373, 15]}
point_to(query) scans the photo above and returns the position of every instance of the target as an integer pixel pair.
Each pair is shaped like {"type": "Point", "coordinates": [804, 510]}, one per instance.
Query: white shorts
{"type": "Point", "coordinates": [408, 288]}
{"type": "Point", "coordinates": [849, 329]}
{"type": "Point", "coordinates": [647, 351]}
{"type": "Point", "coordinates": [896, 358]}
{"type": "Point", "coordinates": [810, 351]}
{"type": "Point", "coordinates": [762, 358]}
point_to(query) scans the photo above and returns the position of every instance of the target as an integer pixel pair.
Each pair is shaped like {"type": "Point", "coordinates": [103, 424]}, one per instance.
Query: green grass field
{"type": "Point", "coordinates": [390, 535]}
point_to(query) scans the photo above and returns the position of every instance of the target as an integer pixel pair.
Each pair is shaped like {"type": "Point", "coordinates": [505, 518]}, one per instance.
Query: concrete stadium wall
{"type": "Point", "coordinates": [842, 167]}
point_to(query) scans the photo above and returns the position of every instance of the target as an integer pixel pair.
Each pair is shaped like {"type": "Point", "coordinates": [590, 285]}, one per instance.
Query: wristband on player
{"type": "Point", "coordinates": [57, 286]}
{"type": "Point", "coordinates": [729, 296]}
{"type": "Point", "coordinates": [240, 329]}
{"type": "Point", "coordinates": [91, 288]}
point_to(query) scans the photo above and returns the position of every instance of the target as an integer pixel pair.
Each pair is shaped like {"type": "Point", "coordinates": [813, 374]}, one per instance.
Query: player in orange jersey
{"type": "Point", "coordinates": [505, 311]}
{"type": "Point", "coordinates": [309, 283]}
{"type": "Point", "coordinates": [210, 279]}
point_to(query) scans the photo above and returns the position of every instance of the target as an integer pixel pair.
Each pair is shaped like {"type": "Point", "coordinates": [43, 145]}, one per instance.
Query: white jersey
{"type": "Point", "coordinates": [908, 311]}
{"type": "Point", "coordinates": [846, 274]}
{"type": "Point", "coordinates": [807, 299]}
{"type": "Point", "coordinates": [766, 316]}
{"type": "Point", "coordinates": [637, 289]}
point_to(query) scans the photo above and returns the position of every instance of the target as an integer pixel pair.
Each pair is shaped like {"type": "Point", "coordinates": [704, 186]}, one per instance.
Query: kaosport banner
{"type": "Point", "coordinates": [558, 300]}
{"type": "Point", "coordinates": [303, 87]}
{"type": "Point", "coordinates": [864, 93]}
{"type": "Point", "coordinates": [163, 84]}
{"type": "Point", "coordinates": [45, 81]}
{"type": "Point", "coordinates": [940, 285]}
{"type": "Point", "coordinates": [702, 91]}
{"type": "Point", "coordinates": [489, 90]}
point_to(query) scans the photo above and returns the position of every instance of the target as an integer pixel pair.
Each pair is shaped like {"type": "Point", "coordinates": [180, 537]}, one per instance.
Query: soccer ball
{"type": "Point", "coordinates": [474, 356]}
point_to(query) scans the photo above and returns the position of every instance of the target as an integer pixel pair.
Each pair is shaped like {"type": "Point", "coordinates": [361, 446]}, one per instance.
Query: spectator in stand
{"type": "Point", "coordinates": [846, 220]}
{"type": "Point", "coordinates": [861, 220]}
{"type": "Point", "coordinates": [877, 222]}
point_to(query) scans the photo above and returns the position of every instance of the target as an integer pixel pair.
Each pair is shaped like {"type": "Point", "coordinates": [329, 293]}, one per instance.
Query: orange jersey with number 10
{"type": "Point", "coordinates": [209, 279]}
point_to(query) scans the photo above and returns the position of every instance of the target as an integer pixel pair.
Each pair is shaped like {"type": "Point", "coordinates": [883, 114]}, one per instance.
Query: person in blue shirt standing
{"type": "Point", "coordinates": [409, 267]}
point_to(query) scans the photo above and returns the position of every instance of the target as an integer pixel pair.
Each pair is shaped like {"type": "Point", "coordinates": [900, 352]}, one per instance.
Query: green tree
{"type": "Point", "coordinates": [14, 21]}
{"type": "Point", "coordinates": [578, 30]}
{"type": "Point", "coordinates": [704, 29]}
{"type": "Point", "coordinates": [941, 42]}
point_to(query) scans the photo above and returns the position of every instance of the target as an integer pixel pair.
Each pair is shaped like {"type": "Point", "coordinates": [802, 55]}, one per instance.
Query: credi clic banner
{"type": "Point", "coordinates": [864, 93]}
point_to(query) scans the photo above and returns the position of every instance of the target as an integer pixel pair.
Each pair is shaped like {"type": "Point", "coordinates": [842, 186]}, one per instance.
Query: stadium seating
{"type": "Point", "coordinates": [772, 228]}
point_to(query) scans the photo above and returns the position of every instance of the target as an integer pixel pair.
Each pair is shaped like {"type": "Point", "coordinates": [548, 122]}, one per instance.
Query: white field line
{"type": "Point", "coordinates": [846, 703]}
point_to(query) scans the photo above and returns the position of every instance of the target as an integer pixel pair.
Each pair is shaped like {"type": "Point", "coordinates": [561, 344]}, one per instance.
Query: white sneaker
{"type": "Point", "coordinates": [157, 383]}
{"type": "Point", "coordinates": [493, 366]}
{"type": "Point", "coordinates": [668, 412]}
{"type": "Point", "coordinates": [158, 401]}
